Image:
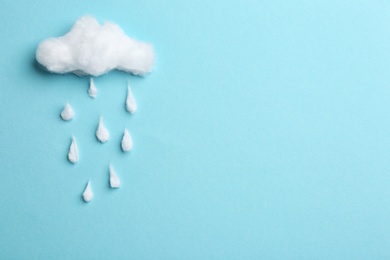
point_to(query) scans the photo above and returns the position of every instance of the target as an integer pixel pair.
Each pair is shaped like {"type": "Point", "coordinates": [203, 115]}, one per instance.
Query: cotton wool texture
{"type": "Point", "coordinates": [93, 49]}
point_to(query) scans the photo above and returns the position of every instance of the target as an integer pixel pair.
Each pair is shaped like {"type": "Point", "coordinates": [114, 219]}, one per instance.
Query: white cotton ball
{"type": "Point", "coordinates": [73, 154]}
{"type": "Point", "coordinates": [114, 179]}
{"type": "Point", "coordinates": [92, 91]}
{"type": "Point", "coordinates": [67, 113]}
{"type": "Point", "coordinates": [94, 49]}
{"type": "Point", "coordinates": [102, 133]}
{"type": "Point", "coordinates": [127, 141]}
{"type": "Point", "coordinates": [88, 194]}
{"type": "Point", "coordinates": [131, 105]}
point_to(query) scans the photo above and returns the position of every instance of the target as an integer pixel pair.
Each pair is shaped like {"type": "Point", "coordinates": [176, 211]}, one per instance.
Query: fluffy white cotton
{"type": "Point", "coordinates": [94, 49]}
{"type": "Point", "coordinates": [127, 141]}
{"type": "Point", "coordinates": [67, 113]}
{"type": "Point", "coordinates": [131, 105]}
{"type": "Point", "coordinates": [102, 133]}
{"type": "Point", "coordinates": [114, 179]}
{"type": "Point", "coordinates": [92, 91]}
{"type": "Point", "coordinates": [88, 194]}
{"type": "Point", "coordinates": [73, 154]}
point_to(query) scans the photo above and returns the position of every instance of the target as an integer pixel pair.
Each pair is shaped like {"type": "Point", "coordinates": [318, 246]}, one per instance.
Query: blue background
{"type": "Point", "coordinates": [264, 132]}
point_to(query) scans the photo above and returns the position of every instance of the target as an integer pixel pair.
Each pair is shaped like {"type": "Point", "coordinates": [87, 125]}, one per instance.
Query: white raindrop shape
{"type": "Point", "coordinates": [131, 105]}
{"type": "Point", "coordinates": [92, 91]}
{"type": "Point", "coordinates": [88, 194]}
{"type": "Point", "coordinates": [73, 154]}
{"type": "Point", "coordinates": [127, 141]}
{"type": "Point", "coordinates": [114, 180]}
{"type": "Point", "coordinates": [101, 132]}
{"type": "Point", "coordinates": [67, 113]}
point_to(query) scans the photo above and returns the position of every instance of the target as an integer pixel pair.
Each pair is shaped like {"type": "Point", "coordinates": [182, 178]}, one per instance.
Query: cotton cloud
{"type": "Point", "coordinates": [94, 49]}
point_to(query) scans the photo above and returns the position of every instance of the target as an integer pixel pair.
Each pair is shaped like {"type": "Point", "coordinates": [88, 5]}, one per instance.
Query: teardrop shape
{"type": "Point", "coordinates": [127, 141]}
{"type": "Point", "coordinates": [67, 113]}
{"type": "Point", "coordinates": [131, 106]}
{"type": "Point", "coordinates": [114, 180]}
{"type": "Point", "coordinates": [101, 132]}
{"type": "Point", "coordinates": [73, 154]}
{"type": "Point", "coordinates": [92, 91]}
{"type": "Point", "coordinates": [87, 194]}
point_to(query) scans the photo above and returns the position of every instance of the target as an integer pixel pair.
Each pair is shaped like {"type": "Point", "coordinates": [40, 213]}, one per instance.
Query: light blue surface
{"type": "Point", "coordinates": [263, 133]}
